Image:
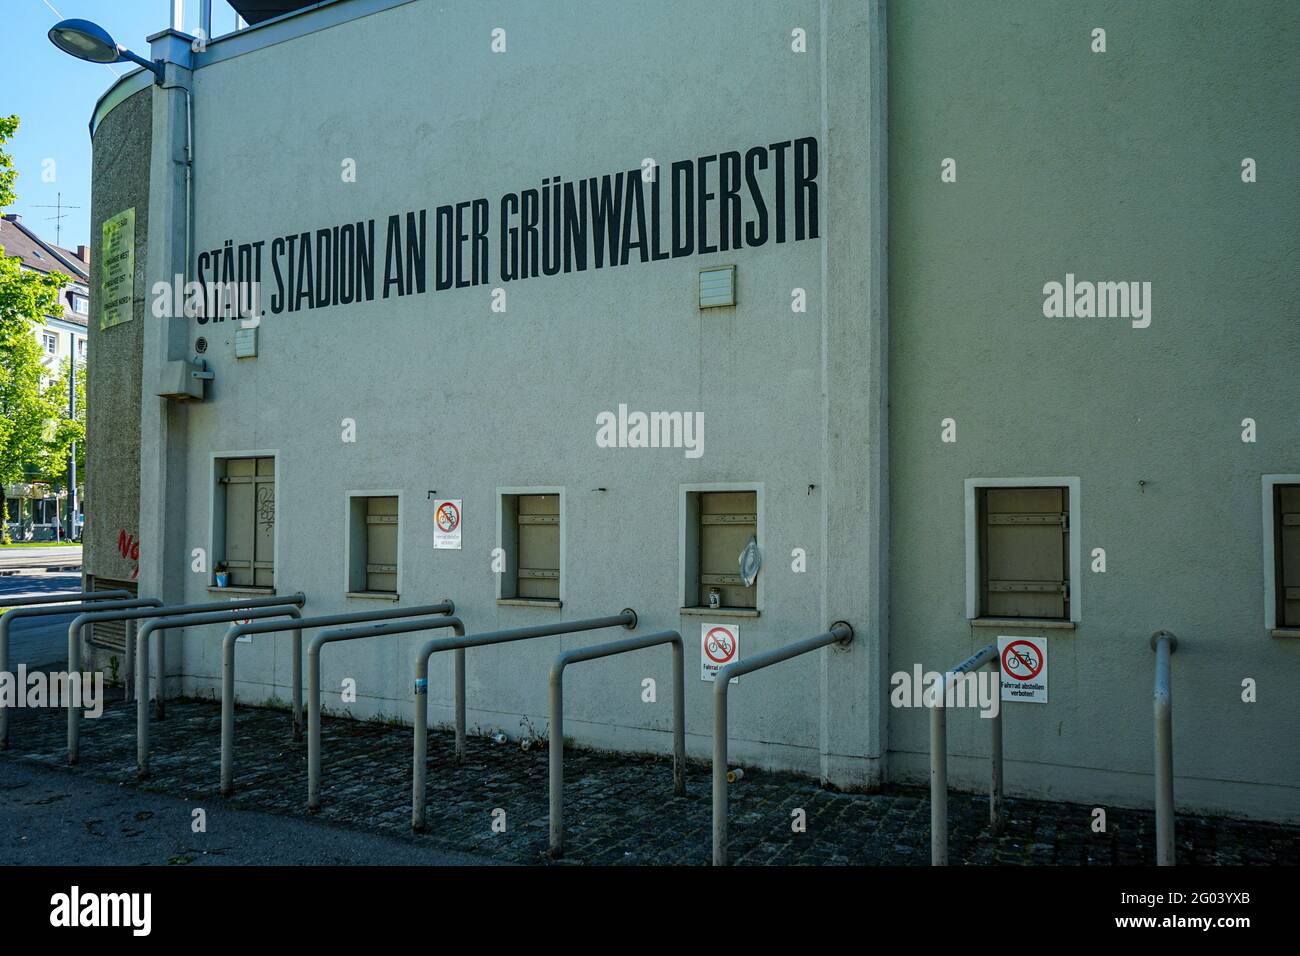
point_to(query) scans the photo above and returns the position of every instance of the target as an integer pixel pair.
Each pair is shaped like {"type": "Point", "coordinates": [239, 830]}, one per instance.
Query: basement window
{"type": "Point", "coordinates": [1282, 565]}
{"type": "Point", "coordinates": [372, 547]}
{"type": "Point", "coordinates": [1024, 563]}
{"type": "Point", "coordinates": [243, 522]}
{"type": "Point", "coordinates": [533, 541]}
{"type": "Point", "coordinates": [719, 526]}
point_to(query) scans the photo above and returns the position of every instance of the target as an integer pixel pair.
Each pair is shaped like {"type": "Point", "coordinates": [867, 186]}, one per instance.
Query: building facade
{"type": "Point", "coordinates": [973, 325]}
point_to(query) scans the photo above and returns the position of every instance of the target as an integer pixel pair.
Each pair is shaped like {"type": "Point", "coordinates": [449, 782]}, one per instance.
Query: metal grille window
{"type": "Point", "coordinates": [1024, 554]}
{"type": "Point", "coordinates": [110, 635]}
{"type": "Point", "coordinates": [537, 519]}
{"type": "Point", "coordinates": [1286, 550]}
{"type": "Point", "coordinates": [727, 520]}
{"type": "Point", "coordinates": [246, 525]}
{"type": "Point", "coordinates": [373, 548]}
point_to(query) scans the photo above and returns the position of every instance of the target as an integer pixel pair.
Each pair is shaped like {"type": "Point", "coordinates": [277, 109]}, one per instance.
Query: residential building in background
{"type": "Point", "coordinates": [35, 511]}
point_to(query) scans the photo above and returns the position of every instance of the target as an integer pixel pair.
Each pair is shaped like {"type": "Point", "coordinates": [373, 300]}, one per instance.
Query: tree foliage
{"type": "Point", "coordinates": [64, 428]}
{"type": "Point", "coordinates": [25, 298]}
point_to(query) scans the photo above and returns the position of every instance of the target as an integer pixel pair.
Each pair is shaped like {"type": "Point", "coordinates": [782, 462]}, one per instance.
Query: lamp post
{"type": "Point", "coordinates": [89, 41]}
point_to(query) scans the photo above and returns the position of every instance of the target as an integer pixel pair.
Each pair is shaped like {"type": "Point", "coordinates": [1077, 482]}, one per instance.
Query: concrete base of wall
{"type": "Point", "coordinates": [1106, 788]}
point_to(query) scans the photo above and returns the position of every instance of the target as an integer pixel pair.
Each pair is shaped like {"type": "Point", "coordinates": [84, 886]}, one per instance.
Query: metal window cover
{"type": "Point", "coordinates": [1024, 553]}
{"type": "Point", "coordinates": [727, 520]}
{"type": "Point", "coordinates": [537, 519]}
{"type": "Point", "coordinates": [1288, 554]}
{"type": "Point", "coordinates": [381, 543]}
{"type": "Point", "coordinates": [717, 287]}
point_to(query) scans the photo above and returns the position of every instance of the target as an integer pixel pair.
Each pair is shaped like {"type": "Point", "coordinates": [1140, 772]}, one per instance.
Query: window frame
{"type": "Point", "coordinates": [43, 506]}
{"type": "Point", "coordinates": [215, 488]}
{"type": "Point", "coordinates": [50, 342]}
{"type": "Point", "coordinates": [1074, 545]}
{"type": "Point", "coordinates": [1269, 484]}
{"type": "Point", "coordinates": [349, 538]}
{"type": "Point", "coordinates": [688, 572]}
{"type": "Point", "coordinates": [506, 540]}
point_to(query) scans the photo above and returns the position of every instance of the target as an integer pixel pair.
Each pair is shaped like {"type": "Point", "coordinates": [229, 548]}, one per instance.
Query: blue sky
{"type": "Point", "coordinates": [53, 95]}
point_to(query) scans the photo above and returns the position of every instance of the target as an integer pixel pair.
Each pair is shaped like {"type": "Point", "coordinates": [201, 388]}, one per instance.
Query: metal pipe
{"type": "Point", "coordinates": [74, 650]}
{"type": "Point", "coordinates": [313, 696]}
{"type": "Point", "coordinates": [21, 603]}
{"type": "Point", "coordinates": [556, 756]}
{"type": "Point", "coordinates": [1164, 644]}
{"type": "Point", "coordinates": [128, 661]}
{"type": "Point", "coordinates": [938, 785]}
{"type": "Point", "coordinates": [289, 608]}
{"type": "Point", "coordinates": [126, 615]}
{"type": "Point", "coordinates": [626, 618]}
{"type": "Point", "coordinates": [237, 631]}
{"type": "Point", "coordinates": [65, 597]}
{"type": "Point", "coordinates": [840, 633]}
{"type": "Point", "coordinates": [997, 806]}
{"type": "Point", "coordinates": [988, 654]}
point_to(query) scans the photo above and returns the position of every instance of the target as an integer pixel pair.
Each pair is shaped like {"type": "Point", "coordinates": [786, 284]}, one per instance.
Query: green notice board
{"type": "Point", "coordinates": [117, 269]}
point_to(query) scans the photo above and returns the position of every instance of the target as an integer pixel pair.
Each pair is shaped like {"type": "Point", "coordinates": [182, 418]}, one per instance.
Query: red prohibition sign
{"type": "Point", "coordinates": [447, 517]}
{"type": "Point", "coordinates": [722, 641]}
{"type": "Point", "coordinates": [1034, 661]}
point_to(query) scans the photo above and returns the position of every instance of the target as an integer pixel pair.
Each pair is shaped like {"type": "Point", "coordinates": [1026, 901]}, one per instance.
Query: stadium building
{"type": "Point", "coordinates": [964, 323]}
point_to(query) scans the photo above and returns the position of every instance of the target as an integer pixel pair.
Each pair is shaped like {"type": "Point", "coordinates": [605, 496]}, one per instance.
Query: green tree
{"type": "Point", "coordinates": [64, 428]}
{"type": "Point", "coordinates": [25, 297]}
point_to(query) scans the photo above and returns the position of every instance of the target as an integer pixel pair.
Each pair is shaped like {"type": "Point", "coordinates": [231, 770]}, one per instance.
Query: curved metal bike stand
{"type": "Point", "coordinates": [29, 610]}
{"type": "Point", "coordinates": [18, 604]}
{"type": "Point", "coordinates": [939, 757]}
{"type": "Point", "coordinates": [80, 622]}
{"type": "Point", "coordinates": [237, 631]}
{"type": "Point", "coordinates": [289, 608]}
{"type": "Point", "coordinates": [1164, 644]}
{"type": "Point", "coordinates": [556, 755]}
{"type": "Point", "coordinates": [313, 696]}
{"type": "Point", "coordinates": [626, 618]}
{"type": "Point", "coordinates": [840, 633]}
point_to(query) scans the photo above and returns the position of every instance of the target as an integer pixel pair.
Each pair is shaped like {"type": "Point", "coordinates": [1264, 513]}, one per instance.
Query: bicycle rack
{"type": "Point", "coordinates": [313, 697]}
{"type": "Point", "coordinates": [840, 633]}
{"type": "Point", "coordinates": [289, 608]}
{"type": "Point", "coordinates": [80, 622]}
{"type": "Point", "coordinates": [1164, 644]}
{"type": "Point", "coordinates": [939, 758]}
{"type": "Point", "coordinates": [29, 607]}
{"type": "Point", "coordinates": [577, 655]}
{"type": "Point", "coordinates": [626, 618]}
{"type": "Point", "coordinates": [298, 626]}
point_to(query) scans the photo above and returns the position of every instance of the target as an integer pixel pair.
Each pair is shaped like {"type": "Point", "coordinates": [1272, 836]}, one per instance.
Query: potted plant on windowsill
{"type": "Point", "coordinates": [223, 576]}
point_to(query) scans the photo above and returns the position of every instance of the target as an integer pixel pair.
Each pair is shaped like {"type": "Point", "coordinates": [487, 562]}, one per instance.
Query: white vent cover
{"type": "Point", "coordinates": [717, 287]}
{"type": "Point", "coordinates": [246, 343]}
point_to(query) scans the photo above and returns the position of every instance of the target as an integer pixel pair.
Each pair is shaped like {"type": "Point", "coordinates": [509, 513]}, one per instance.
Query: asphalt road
{"type": "Point", "coordinates": [38, 559]}
{"type": "Point", "coordinates": [50, 817]}
{"type": "Point", "coordinates": [42, 640]}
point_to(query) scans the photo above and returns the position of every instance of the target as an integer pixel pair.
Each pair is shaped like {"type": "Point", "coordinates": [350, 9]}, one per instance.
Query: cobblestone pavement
{"type": "Point", "coordinates": [619, 809]}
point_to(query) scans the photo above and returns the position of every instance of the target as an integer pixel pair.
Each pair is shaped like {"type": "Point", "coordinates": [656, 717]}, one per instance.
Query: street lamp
{"type": "Point", "coordinates": [89, 41]}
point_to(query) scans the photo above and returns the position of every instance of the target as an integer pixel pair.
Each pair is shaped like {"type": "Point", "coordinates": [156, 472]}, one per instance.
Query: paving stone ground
{"type": "Point", "coordinates": [619, 809]}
